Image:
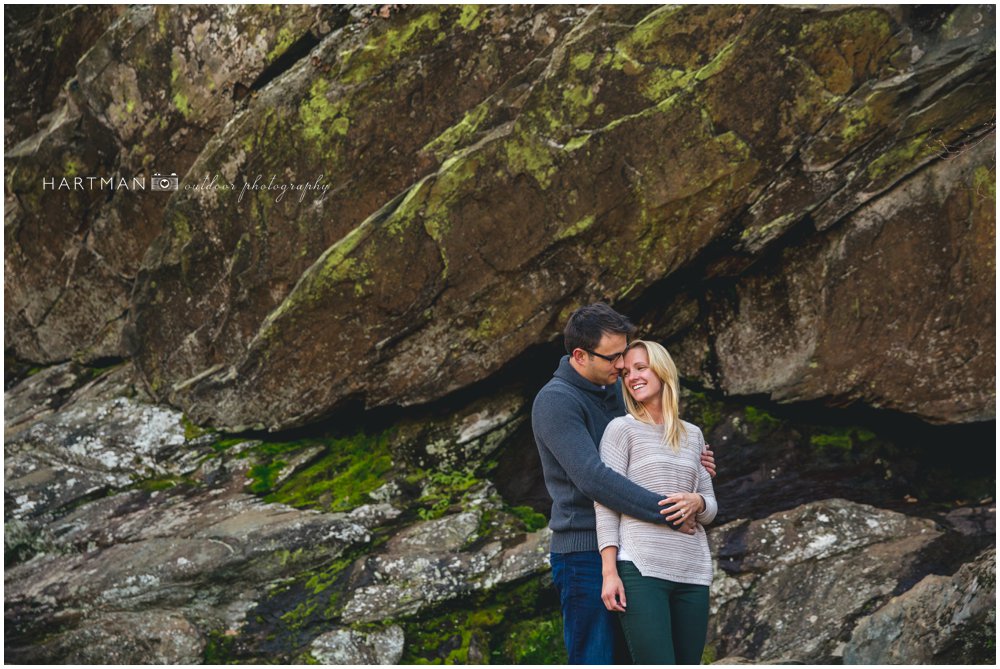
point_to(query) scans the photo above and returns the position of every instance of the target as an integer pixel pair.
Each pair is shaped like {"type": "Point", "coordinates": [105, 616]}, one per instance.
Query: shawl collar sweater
{"type": "Point", "coordinates": [568, 418]}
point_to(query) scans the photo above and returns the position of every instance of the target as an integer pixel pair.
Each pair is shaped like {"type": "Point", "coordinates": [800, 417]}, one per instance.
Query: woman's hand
{"type": "Point", "coordinates": [684, 506]}
{"type": "Point", "coordinates": [613, 592]}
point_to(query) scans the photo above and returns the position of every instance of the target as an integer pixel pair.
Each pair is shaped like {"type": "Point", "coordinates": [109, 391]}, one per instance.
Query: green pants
{"type": "Point", "coordinates": [665, 622]}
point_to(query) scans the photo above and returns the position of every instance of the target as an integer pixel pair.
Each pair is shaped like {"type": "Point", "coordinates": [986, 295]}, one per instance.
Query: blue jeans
{"type": "Point", "coordinates": [592, 634]}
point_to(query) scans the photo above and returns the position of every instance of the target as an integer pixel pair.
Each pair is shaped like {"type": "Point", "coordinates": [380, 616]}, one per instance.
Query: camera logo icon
{"type": "Point", "coordinates": [163, 182]}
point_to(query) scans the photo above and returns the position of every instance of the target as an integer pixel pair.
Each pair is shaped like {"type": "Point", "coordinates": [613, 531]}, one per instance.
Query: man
{"type": "Point", "coordinates": [568, 418]}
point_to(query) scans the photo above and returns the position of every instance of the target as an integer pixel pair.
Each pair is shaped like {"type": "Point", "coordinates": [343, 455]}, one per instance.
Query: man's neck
{"type": "Point", "coordinates": [579, 369]}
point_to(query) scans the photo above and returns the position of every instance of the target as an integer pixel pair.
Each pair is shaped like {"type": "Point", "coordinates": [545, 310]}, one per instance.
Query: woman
{"type": "Point", "coordinates": [656, 576]}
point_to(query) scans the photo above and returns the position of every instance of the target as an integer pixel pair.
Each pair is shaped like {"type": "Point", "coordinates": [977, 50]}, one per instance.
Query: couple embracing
{"type": "Point", "coordinates": [631, 489]}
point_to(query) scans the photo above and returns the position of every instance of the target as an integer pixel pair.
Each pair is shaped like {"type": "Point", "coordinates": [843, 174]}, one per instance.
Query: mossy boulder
{"type": "Point", "coordinates": [474, 174]}
{"type": "Point", "coordinates": [614, 159]}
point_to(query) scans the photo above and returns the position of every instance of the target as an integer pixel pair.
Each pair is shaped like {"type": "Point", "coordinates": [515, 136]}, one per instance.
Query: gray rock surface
{"type": "Point", "coordinates": [345, 646]}
{"type": "Point", "coordinates": [790, 585]}
{"type": "Point", "coordinates": [122, 510]}
{"type": "Point", "coordinates": [207, 553]}
{"type": "Point", "coordinates": [425, 565]}
{"type": "Point", "coordinates": [42, 46]}
{"type": "Point", "coordinates": [94, 546]}
{"type": "Point", "coordinates": [133, 637]}
{"type": "Point", "coordinates": [941, 619]}
{"type": "Point", "coordinates": [51, 387]}
{"type": "Point", "coordinates": [92, 447]}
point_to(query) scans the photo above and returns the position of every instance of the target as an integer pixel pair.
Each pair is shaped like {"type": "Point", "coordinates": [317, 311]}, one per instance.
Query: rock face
{"type": "Point", "coordinates": [478, 173]}
{"type": "Point", "coordinates": [857, 313]}
{"type": "Point", "coordinates": [133, 536]}
{"type": "Point", "coordinates": [788, 586]}
{"type": "Point", "coordinates": [940, 619]}
{"type": "Point", "coordinates": [420, 567]}
{"type": "Point", "coordinates": [348, 647]}
{"type": "Point", "coordinates": [43, 45]}
{"type": "Point", "coordinates": [145, 97]}
{"type": "Point", "coordinates": [266, 416]}
{"type": "Point", "coordinates": [184, 552]}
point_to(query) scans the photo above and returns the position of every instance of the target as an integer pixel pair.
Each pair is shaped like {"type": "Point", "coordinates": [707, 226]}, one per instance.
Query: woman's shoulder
{"type": "Point", "coordinates": [693, 431]}
{"type": "Point", "coordinates": [621, 427]}
{"type": "Point", "coordinates": [620, 424]}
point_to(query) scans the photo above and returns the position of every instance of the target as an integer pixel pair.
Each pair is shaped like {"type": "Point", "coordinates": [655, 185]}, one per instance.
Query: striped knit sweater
{"type": "Point", "coordinates": [636, 450]}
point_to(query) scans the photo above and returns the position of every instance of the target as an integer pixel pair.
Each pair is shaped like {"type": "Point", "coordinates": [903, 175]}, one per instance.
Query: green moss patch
{"type": "Point", "coordinates": [708, 655]}
{"type": "Point", "coordinates": [538, 641]}
{"type": "Point", "coordinates": [383, 51]}
{"type": "Point", "coordinates": [182, 104]}
{"type": "Point", "coordinates": [526, 155]}
{"type": "Point", "coordinates": [760, 422]}
{"type": "Point", "coordinates": [163, 483]}
{"type": "Point", "coordinates": [223, 445]}
{"type": "Point", "coordinates": [283, 40]}
{"type": "Point", "coordinates": [984, 181]}
{"type": "Point", "coordinates": [842, 439]}
{"type": "Point", "coordinates": [220, 648]}
{"type": "Point", "coordinates": [532, 519]}
{"type": "Point", "coordinates": [442, 490]}
{"type": "Point", "coordinates": [323, 122]}
{"type": "Point", "coordinates": [192, 431]}
{"type": "Point", "coordinates": [94, 372]}
{"type": "Point", "coordinates": [461, 133]}
{"type": "Point", "coordinates": [291, 616]}
{"type": "Point", "coordinates": [512, 625]}
{"type": "Point", "coordinates": [702, 410]}
{"type": "Point", "coordinates": [901, 158]}
{"type": "Point", "coordinates": [471, 17]}
{"type": "Point", "coordinates": [341, 479]}
{"type": "Point", "coordinates": [847, 48]}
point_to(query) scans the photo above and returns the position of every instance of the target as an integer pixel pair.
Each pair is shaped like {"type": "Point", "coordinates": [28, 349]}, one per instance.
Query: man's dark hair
{"type": "Point", "coordinates": [588, 324]}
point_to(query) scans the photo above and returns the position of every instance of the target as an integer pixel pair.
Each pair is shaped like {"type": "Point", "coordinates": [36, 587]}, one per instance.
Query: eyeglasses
{"type": "Point", "coordinates": [609, 358]}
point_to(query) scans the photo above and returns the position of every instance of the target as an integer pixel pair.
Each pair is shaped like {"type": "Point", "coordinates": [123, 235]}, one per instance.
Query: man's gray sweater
{"type": "Point", "coordinates": [568, 418]}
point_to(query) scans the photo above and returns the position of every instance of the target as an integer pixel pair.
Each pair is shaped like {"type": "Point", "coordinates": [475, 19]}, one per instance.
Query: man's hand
{"type": "Point", "coordinates": [613, 593]}
{"type": "Point", "coordinates": [708, 460]}
{"type": "Point", "coordinates": [683, 509]}
{"type": "Point", "coordinates": [688, 526]}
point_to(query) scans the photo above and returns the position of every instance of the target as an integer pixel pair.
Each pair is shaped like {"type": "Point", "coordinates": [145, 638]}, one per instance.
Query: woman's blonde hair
{"type": "Point", "coordinates": [663, 366]}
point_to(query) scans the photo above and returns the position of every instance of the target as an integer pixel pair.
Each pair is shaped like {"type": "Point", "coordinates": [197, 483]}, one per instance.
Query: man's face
{"type": "Point", "coordinates": [600, 371]}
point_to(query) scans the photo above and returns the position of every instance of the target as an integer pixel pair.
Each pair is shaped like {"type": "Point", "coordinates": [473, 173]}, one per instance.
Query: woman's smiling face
{"type": "Point", "coordinates": [642, 383]}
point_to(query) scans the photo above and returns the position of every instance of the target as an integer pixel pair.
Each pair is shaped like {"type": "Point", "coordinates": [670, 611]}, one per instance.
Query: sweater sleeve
{"type": "Point", "coordinates": [559, 425]}
{"type": "Point", "coordinates": [705, 488]}
{"type": "Point", "coordinates": [614, 453]}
